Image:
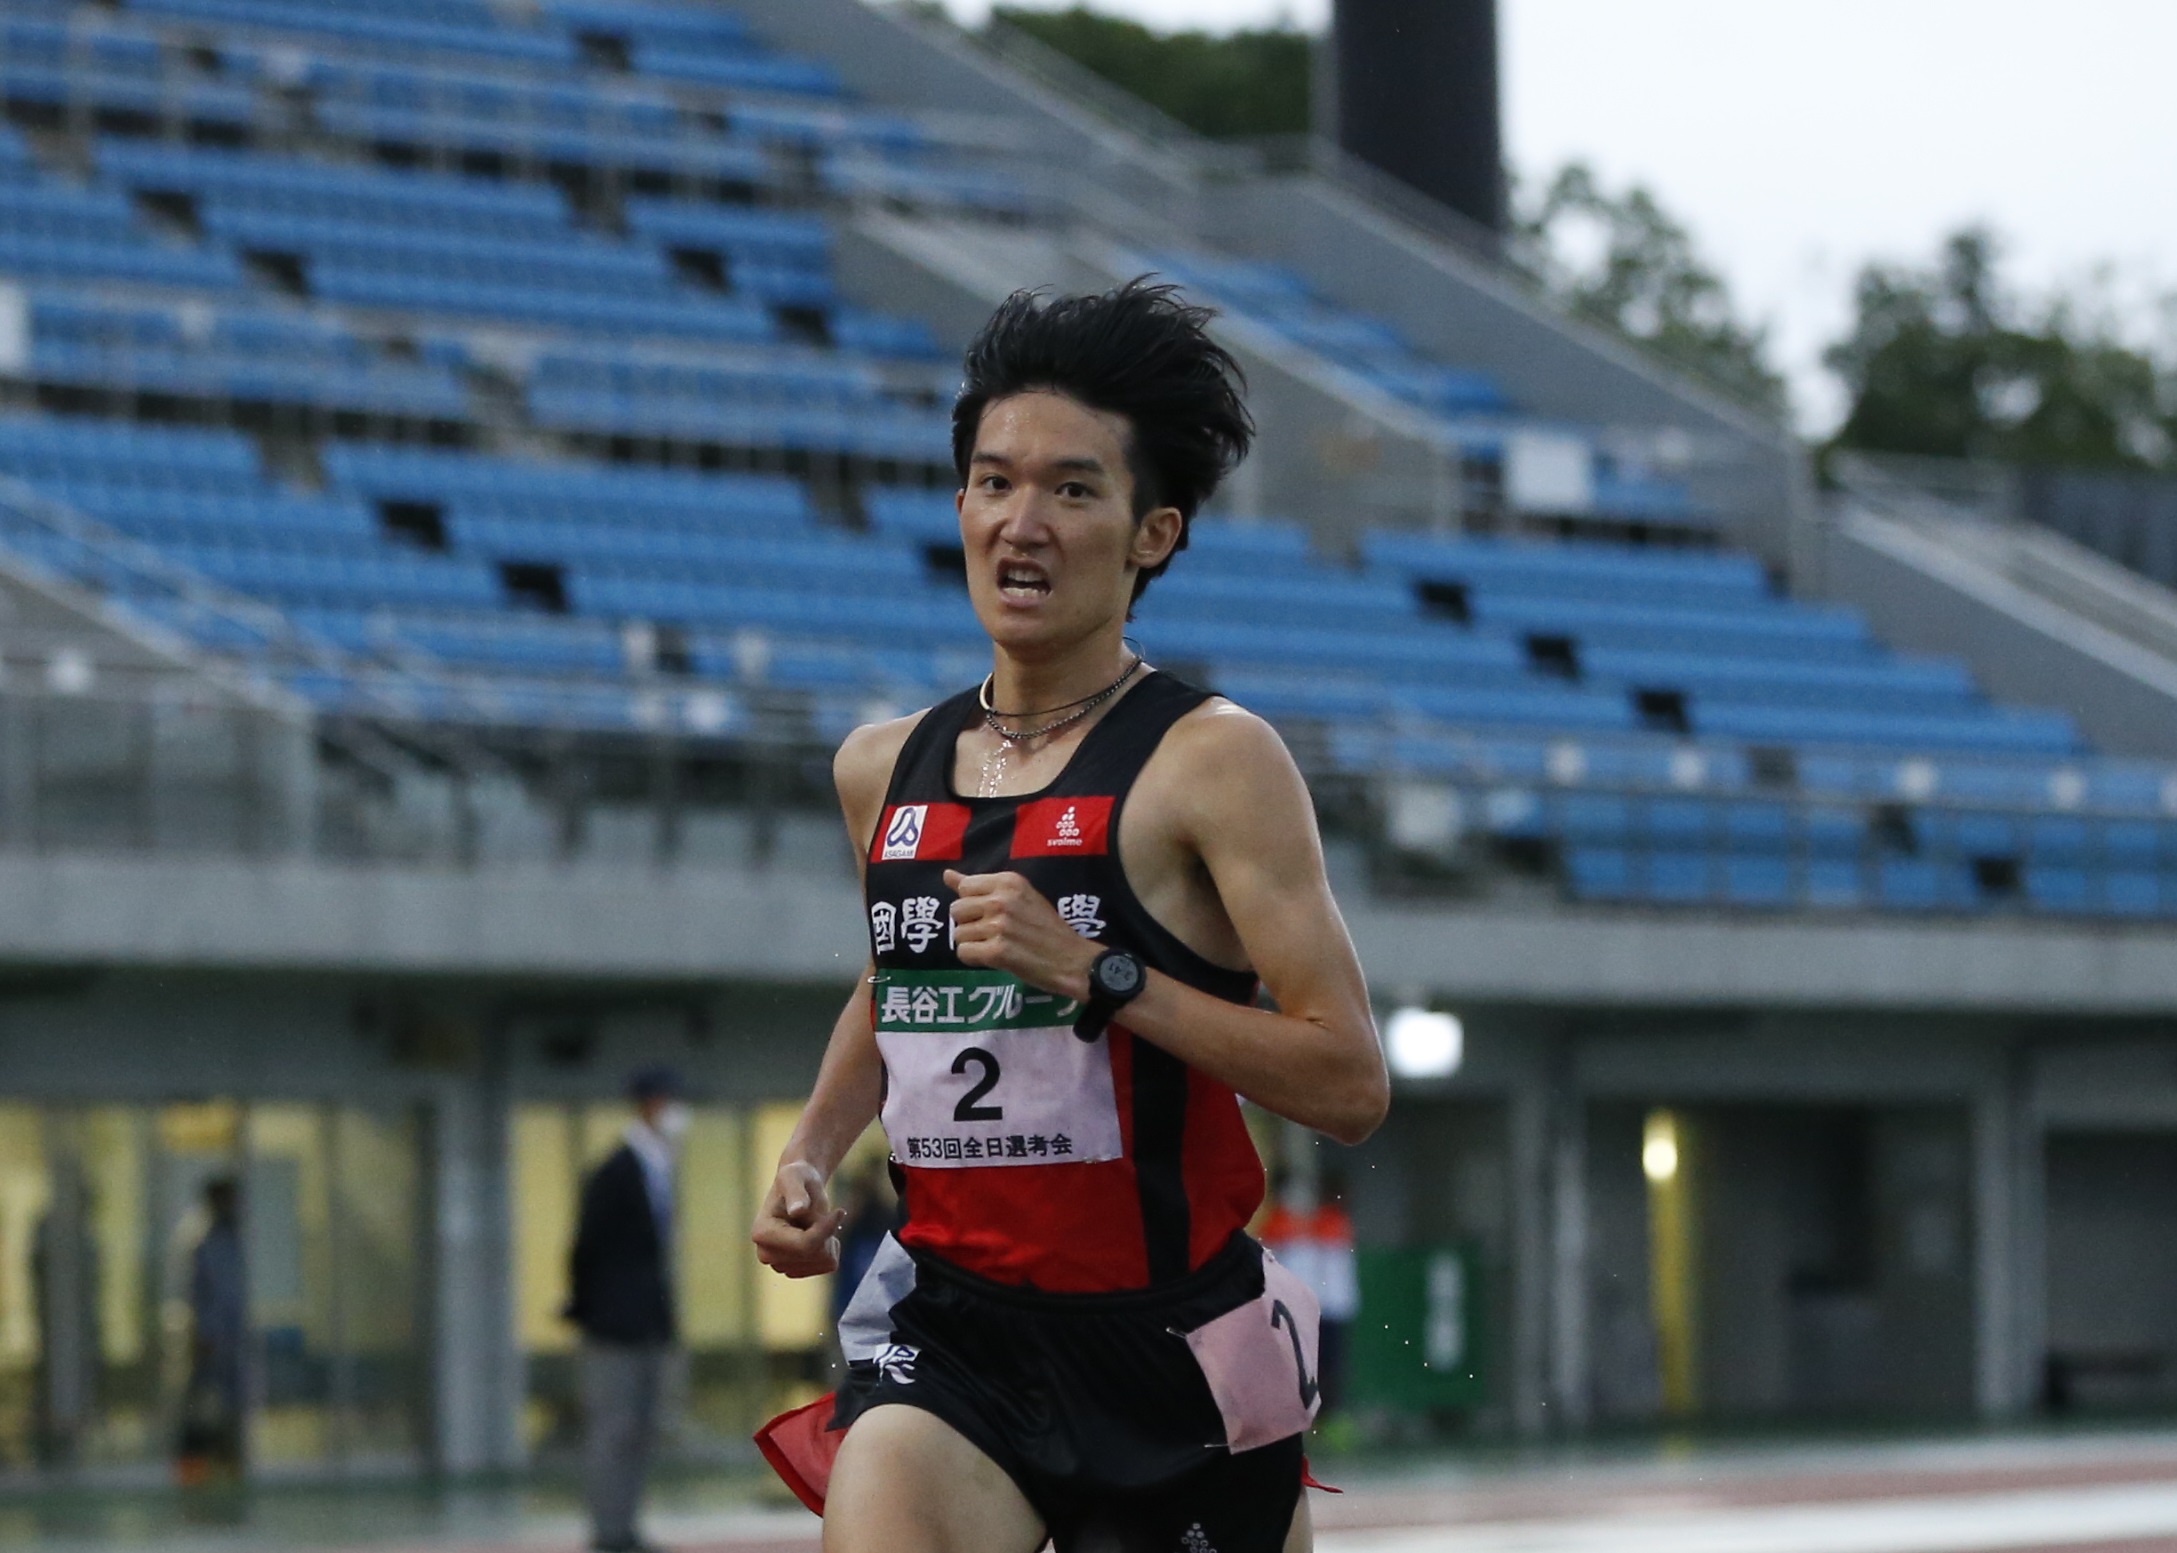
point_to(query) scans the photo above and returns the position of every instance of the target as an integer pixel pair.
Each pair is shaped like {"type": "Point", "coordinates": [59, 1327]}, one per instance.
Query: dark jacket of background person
{"type": "Point", "coordinates": [622, 1291]}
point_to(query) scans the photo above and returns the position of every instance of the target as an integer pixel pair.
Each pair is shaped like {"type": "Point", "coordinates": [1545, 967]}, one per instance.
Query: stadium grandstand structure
{"type": "Point", "coordinates": [493, 376]}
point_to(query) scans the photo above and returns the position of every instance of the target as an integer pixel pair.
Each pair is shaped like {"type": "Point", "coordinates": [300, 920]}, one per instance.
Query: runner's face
{"type": "Point", "coordinates": [1047, 521]}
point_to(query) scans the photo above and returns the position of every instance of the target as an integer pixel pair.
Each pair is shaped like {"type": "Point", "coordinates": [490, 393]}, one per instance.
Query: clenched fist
{"type": "Point", "coordinates": [797, 1229]}
{"type": "Point", "coordinates": [1002, 923]}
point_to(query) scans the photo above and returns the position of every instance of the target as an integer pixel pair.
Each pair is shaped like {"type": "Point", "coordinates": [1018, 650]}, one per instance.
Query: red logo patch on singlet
{"type": "Point", "coordinates": [1063, 827]}
{"type": "Point", "coordinates": [921, 832]}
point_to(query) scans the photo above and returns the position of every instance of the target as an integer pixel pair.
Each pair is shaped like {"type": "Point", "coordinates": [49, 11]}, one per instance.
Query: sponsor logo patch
{"type": "Point", "coordinates": [921, 832]}
{"type": "Point", "coordinates": [1063, 827]}
{"type": "Point", "coordinates": [897, 1363]}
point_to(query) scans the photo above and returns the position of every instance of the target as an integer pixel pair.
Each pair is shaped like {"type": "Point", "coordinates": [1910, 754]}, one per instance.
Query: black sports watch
{"type": "Point", "coordinates": [1115, 980]}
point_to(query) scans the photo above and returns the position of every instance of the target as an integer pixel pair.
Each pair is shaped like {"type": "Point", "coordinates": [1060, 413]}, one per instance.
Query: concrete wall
{"type": "Point", "coordinates": [2112, 1260]}
{"type": "Point", "coordinates": [1832, 1268]}
{"type": "Point", "coordinates": [584, 924]}
{"type": "Point", "coordinates": [1920, 1167]}
{"type": "Point", "coordinates": [1624, 1384]}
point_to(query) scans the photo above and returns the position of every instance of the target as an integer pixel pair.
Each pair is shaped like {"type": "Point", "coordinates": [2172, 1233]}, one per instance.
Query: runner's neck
{"type": "Point", "coordinates": [1018, 686]}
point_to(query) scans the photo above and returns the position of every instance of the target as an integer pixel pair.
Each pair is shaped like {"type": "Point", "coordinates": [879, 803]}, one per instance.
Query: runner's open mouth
{"type": "Point", "coordinates": [1018, 581]}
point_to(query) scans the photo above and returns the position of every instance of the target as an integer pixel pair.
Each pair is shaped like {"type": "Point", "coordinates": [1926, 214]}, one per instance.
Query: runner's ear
{"type": "Point", "coordinates": [1156, 537]}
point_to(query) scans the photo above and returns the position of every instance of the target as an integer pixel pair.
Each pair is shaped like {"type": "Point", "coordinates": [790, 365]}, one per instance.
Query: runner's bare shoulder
{"type": "Point", "coordinates": [862, 769]}
{"type": "Point", "coordinates": [1224, 768]}
{"type": "Point", "coordinates": [1223, 739]}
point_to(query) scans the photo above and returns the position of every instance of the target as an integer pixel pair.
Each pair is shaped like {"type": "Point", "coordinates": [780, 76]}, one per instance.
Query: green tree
{"type": "Point", "coordinates": [1621, 260]}
{"type": "Point", "coordinates": [1226, 85]}
{"type": "Point", "coordinates": [1945, 361]}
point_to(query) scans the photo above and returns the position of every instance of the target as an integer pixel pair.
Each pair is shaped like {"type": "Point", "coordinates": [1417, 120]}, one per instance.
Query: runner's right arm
{"type": "Point", "coordinates": [797, 1229]}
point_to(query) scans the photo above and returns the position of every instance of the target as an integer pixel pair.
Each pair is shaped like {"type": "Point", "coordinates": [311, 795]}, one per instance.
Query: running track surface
{"type": "Point", "coordinates": [2105, 1494]}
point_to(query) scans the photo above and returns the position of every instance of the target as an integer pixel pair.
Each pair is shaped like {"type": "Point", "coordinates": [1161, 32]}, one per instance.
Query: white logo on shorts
{"type": "Point", "coordinates": [897, 1363]}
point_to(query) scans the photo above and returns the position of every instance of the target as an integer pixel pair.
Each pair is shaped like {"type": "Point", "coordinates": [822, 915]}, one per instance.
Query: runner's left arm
{"type": "Point", "coordinates": [1246, 813]}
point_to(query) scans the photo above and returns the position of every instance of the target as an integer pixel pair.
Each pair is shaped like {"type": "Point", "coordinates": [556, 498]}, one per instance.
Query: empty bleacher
{"type": "Point", "coordinates": [1607, 492]}
{"type": "Point", "coordinates": [505, 360]}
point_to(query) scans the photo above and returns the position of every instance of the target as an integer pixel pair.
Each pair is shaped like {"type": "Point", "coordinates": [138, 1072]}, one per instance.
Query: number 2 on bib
{"type": "Point", "coordinates": [968, 1110]}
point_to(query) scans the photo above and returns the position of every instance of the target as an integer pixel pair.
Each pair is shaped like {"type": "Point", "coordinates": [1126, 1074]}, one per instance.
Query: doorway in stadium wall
{"type": "Point", "coordinates": [752, 1345]}
{"type": "Point", "coordinates": [109, 1357]}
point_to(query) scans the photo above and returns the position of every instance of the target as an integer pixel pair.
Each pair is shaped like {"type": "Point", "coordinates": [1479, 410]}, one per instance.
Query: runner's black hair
{"type": "Point", "coordinates": [1139, 351]}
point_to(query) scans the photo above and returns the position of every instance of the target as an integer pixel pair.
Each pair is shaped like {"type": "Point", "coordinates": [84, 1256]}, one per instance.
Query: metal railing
{"type": "Point", "coordinates": [1974, 509]}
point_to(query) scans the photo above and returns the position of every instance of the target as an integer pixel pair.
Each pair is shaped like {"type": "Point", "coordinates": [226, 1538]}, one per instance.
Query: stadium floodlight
{"type": "Point", "coordinates": [1423, 1043]}
{"type": "Point", "coordinates": [1659, 1148]}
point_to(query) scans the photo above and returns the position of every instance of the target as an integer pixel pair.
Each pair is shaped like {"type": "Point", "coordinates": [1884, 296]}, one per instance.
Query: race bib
{"type": "Point", "coordinates": [1261, 1361]}
{"type": "Point", "coordinates": [981, 1069]}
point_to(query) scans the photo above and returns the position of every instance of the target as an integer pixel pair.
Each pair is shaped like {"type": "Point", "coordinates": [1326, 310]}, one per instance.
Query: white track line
{"type": "Point", "coordinates": [1945, 1524]}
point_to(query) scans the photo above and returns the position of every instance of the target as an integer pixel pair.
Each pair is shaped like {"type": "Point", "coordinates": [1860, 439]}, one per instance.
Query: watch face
{"type": "Point", "coordinates": [1118, 974]}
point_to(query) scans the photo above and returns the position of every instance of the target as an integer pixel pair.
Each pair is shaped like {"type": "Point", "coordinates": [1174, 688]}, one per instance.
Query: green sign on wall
{"type": "Point", "coordinates": [1417, 1343]}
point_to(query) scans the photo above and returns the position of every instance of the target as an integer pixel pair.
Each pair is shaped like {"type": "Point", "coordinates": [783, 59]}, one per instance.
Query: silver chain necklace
{"type": "Point", "coordinates": [998, 762]}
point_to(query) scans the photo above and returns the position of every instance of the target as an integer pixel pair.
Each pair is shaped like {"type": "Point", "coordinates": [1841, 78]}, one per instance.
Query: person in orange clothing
{"type": "Point", "coordinates": [1310, 1231]}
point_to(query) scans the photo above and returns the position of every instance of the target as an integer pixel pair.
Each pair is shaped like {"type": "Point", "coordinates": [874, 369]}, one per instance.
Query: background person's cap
{"type": "Point", "coordinates": [658, 1083]}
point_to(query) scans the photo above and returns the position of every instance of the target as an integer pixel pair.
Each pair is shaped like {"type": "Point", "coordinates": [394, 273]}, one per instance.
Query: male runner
{"type": "Point", "coordinates": [1075, 874]}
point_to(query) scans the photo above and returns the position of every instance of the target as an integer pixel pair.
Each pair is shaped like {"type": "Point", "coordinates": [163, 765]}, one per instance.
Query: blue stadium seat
{"type": "Point", "coordinates": [1250, 545]}
{"type": "Point", "coordinates": [1601, 572]}
{"type": "Point", "coordinates": [1681, 878]}
{"type": "Point", "coordinates": [1833, 832]}
{"type": "Point", "coordinates": [2059, 889]}
{"type": "Point", "coordinates": [928, 517]}
{"type": "Point", "coordinates": [1922, 884]}
{"type": "Point", "coordinates": [1758, 881]}
{"type": "Point", "coordinates": [1599, 874]}
{"type": "Point", "coordinates": [785, 237]}
{"type": "Point", "coordinates": [663, 60]}
{"type": "Point", "coordinates": [1688, 823]}
{"type": "Point", "coordinates": [1991, 728]}
{"type": "Point", "coordinates": [480, 35]}
{"type": "Point", "coordinates": [1595, 818]}
{"type": "Point", "coordinates": [1759, 827]}
{"type": "Point", "coordinates": [298, 188]}
{"type": "Point", "coordinates": [2056, 839]}
{"type": "Point", "coordinates": [2139, 894]}
{"type": "Point", "coordinates": [583, 490]}
{"type": "Point", "coordinates": [1400, 654]}
{"type": "Point", "coordinates": [1540, 705]}
{"type": "Point", "coordinates": [1832, 884]}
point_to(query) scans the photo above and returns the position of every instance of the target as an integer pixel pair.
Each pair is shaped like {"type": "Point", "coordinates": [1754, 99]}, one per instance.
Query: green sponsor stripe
{"type": "Point", "coordinates": [960, 1002]}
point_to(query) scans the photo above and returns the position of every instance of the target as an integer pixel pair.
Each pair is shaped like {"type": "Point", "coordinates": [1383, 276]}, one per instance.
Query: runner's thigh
{"type": "Point", "coordinates": [1301, 1539]}
{"type": "Point", "coordinates": [908, 1482]}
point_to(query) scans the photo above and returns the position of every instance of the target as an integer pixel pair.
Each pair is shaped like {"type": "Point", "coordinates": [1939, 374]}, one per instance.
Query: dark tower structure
{"type": "Point", "coordinates": [1416, 96]}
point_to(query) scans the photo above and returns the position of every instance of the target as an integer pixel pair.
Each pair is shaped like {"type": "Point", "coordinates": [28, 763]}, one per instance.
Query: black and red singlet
{"type": "Point", "coordinates": [1030, 1157]}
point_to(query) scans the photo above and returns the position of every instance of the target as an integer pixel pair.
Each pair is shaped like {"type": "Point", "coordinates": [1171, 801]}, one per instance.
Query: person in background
{"type": "Point", "coordinates": [212, 1411]}
{"type": "Point", "coordinates": [64, 1272]}
{"type": "Point", "coordinates": [1337, 1286]}
{"type": "Point", "coordinates": [621, 1281]}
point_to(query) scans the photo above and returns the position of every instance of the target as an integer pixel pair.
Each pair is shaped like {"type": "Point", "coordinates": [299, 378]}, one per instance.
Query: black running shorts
{"type": "Point", "coordinates": [1092, 1403]}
